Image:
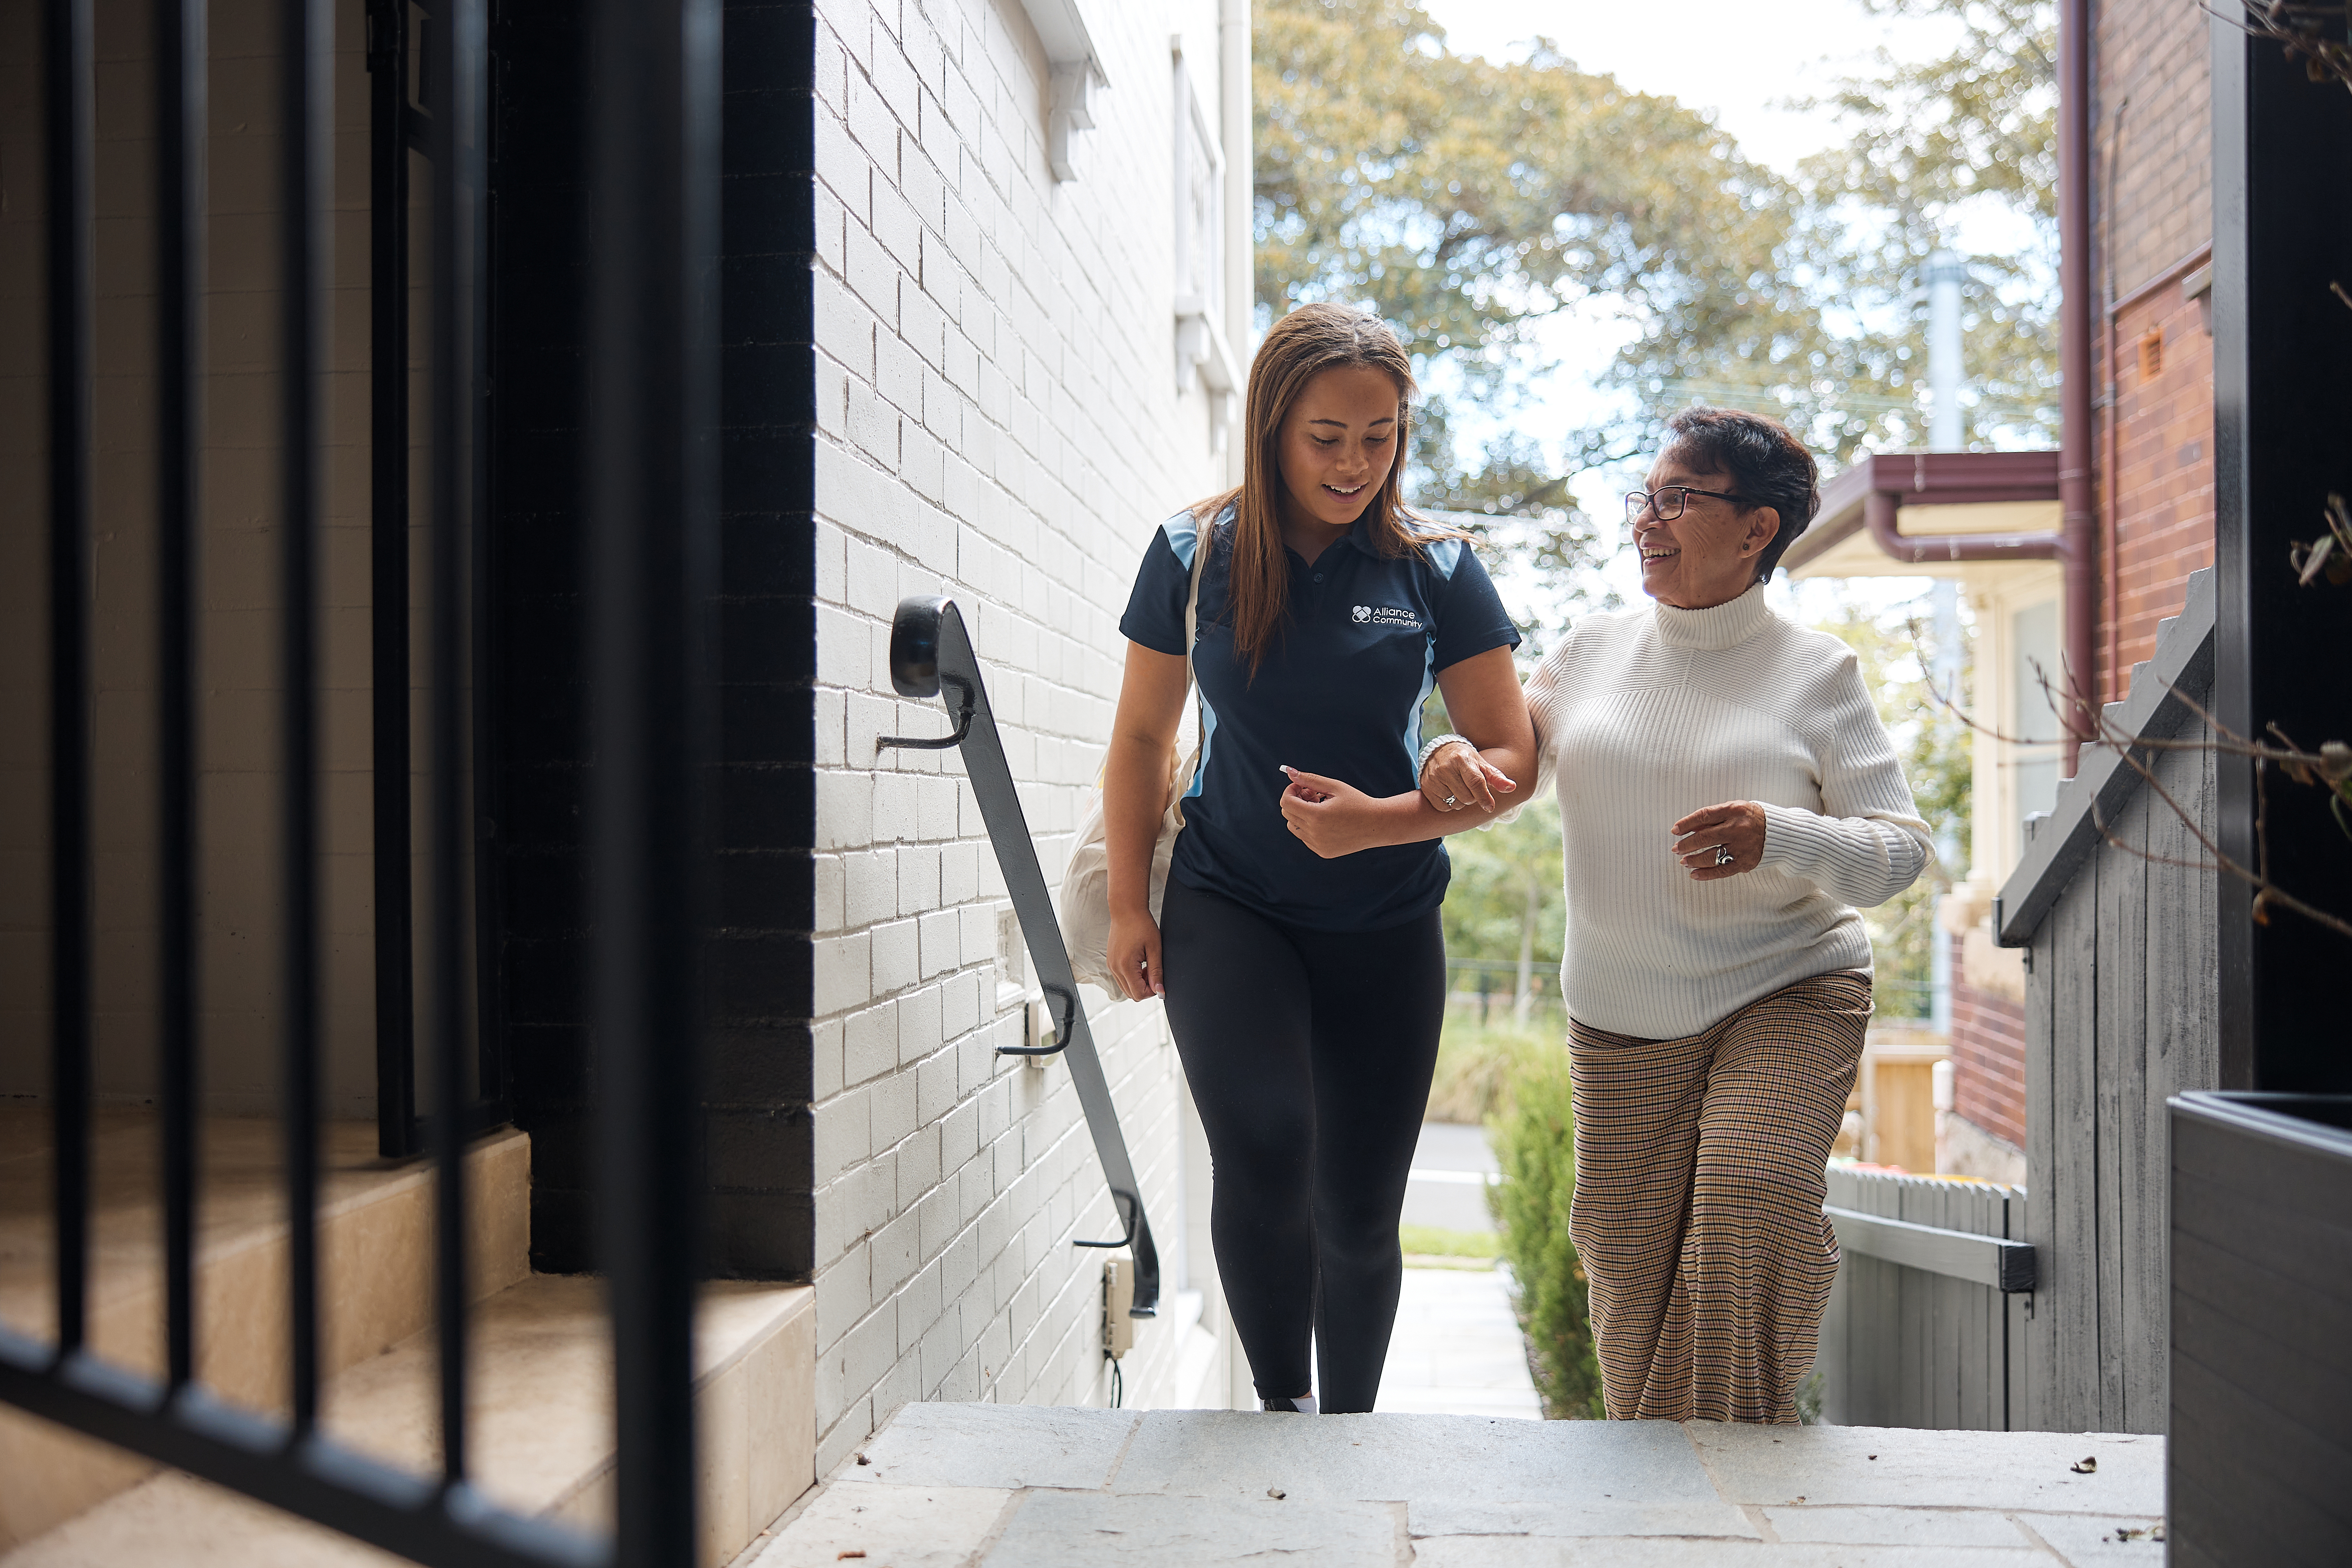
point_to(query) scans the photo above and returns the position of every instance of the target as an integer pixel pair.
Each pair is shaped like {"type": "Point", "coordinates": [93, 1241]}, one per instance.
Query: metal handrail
{"type": "Point", "coordinates": [931, 654]}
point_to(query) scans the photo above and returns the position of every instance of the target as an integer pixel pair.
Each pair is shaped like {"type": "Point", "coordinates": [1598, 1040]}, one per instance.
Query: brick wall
{"type": "Point", "coordinates": [2152, 65]}
{"type": "Point", "coordinates": [1988, 1059]}
{"type": "Point", "coordinates": [997, 419]}
{"type": "Point", "coordinates": [239, 592]}
{"type": "Point", "coordinates": [2163, 476]}
{"type": "Point", "coordinates": [2155, 57]}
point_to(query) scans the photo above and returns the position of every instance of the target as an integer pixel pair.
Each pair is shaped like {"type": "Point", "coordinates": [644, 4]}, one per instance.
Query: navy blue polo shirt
{"type": "Point", "coordinates": [1339, 693]}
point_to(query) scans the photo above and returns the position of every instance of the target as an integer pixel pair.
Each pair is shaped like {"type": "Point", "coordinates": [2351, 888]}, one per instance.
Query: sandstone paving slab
{"type": "Point", "coordinates": [1459, 1459]}
{"type": "Point", "coordinates": [1895, 1526]}
{"type": "Point", "coordinates": [1601, 1516]}
{"type": "Point", "coordinates": [1094, 1530]}
{"type": "Point", "coordinates": [1010, 1446]}
{"type": "Point", "coordinates": [1534, 1552]}
{"type": "Point", "coordinates": [2089, 1540]}
{"type": "Point", "coordinates": [891, 1526]}
{"type": "Point", "coordinates": [1782, 1466]}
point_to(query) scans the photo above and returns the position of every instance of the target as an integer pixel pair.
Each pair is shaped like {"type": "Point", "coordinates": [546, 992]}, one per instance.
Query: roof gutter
{"type": "Point", "coordinates": [2079, 520]}
{"type": "Point", "coordinates": [1882, 486]}
{"type": "Point", "coordinates": [1878, 510]}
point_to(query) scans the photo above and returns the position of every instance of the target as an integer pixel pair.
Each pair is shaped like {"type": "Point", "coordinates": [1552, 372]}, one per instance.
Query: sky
{"type": "Point", "coordinates": [1742, 60]}
{"type": "Point", "coordinates": [1748, 65]}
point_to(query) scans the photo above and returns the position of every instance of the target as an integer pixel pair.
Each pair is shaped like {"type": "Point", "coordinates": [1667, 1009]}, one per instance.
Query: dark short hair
{"type": "Point", "coordinates": [1767, 463]}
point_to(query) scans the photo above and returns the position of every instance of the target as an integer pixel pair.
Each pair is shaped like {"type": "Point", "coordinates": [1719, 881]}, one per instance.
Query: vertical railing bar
{"type": "Point", "coordinates": [490, 1077]}
{"type": "Point", "coordinates": [68, 91]}
{"type": "Point", "coordinates": [180, 92]}
{"type": "Point", "coordinates": [653, 177]}
{"type": "Point", "coordinates": [454, 75]}
{"type": "Point", "coordinates": [396, 958]}
{"type": "Point", "coordinates": [306, 38]}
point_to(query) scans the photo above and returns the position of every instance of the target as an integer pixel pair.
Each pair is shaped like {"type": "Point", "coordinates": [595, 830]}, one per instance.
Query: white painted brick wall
{"type": "Point", "coordinates": [998, 421]}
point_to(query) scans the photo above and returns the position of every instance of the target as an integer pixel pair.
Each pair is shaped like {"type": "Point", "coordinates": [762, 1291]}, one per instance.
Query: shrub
{"type": "Point", "coordinates": [1476, 1063]}
{"type": "Point", "coordinates": [1534, 1142]}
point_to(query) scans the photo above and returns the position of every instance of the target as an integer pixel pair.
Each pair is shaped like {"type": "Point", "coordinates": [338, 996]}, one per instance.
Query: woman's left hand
{"type": "Point", "coordinates": [1329, 817]}
{"type": "Point", "coordinates": [1736, 825]}
{"type": "Point", "coordinates": [1459, 779]}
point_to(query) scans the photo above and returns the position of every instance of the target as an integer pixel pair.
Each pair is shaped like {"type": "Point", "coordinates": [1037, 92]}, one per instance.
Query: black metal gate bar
{"type": "Point", "coordinates": [68, 92]}
{"type": "Point", "coordinates": [395, 988]}
{"type": "Point", "coordinates": [653, 177]}
{"type": "Point", "coordinates": [315, 1477]}
{"type": "Point", "coordinates": [306, 35]}
{"type": "Point", "coordinates": [179, 238]}
{"type": "Point", "coordinates": [659, 315]}
{"type": "Point", "coordinates": [929, 652]}
{"type": "Point", "coordinates": [453, 66]}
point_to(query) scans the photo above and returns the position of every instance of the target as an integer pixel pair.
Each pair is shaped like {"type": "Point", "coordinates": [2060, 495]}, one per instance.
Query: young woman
{"type": "Point", "coordinates": [1726, 797]}
{"type": "Point", "coordinates": [1297, 944]}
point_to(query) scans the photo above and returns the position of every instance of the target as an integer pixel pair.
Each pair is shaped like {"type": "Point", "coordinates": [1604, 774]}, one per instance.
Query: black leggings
{"type": "Point", "coordinates": [1309, 1054]}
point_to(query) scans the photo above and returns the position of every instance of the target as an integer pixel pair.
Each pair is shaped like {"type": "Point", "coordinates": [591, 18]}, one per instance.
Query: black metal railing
{"type": "Point", "coordinates": [429, 99]}
{"type": "Point", "coordinates": [930, 655]}
{"type": "Point", "coordinates": [654, 167]}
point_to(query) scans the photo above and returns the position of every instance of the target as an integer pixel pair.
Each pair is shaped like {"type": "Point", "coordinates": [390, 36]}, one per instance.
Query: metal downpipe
{"type": "Point", "coordinates": [2079, 528]}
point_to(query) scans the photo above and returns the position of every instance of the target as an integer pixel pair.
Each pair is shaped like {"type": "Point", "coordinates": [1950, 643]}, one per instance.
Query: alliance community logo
{"type": "Point", "coordinates": [1385, 615]}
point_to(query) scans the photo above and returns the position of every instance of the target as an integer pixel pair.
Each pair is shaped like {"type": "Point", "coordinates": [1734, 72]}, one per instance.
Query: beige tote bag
{"type": "Point", "coordinates": [1085, 883]}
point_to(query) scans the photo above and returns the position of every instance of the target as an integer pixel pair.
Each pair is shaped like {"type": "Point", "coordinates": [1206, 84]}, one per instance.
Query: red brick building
{"type": "Point", "coordinates": [2151, 440]}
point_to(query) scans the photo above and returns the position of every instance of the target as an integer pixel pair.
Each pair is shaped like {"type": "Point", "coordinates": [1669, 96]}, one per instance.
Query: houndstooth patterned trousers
{"type": "Point", "coordinates": [1697, 1214]}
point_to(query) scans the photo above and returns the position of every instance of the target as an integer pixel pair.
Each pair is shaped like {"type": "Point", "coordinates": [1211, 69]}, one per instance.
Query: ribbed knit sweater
{"type": "Point", "coordinates": [1643, 716]}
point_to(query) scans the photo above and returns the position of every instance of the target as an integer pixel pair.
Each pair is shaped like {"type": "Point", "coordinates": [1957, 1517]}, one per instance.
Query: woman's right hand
{"type": "Point", "coordinates": [1135, 954]}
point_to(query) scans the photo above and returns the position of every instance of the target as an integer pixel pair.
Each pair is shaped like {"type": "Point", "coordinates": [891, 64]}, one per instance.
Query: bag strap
{"type": "Point", "coordinates": [1203, 540]}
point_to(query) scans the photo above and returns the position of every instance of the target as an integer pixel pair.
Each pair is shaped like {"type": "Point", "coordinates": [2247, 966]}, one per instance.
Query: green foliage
{"type": "Point", "coordinates": [1503, 878]}
{"type": "Point", "coordinates": [1478, 1063]}
{"type": "Point", "coordinates": [1431, 1241]}
{"type": "Point", "coordinates": [1467, 199]}
{"type": "Point", "coordinates": [1938, 754]}
{"type": "Point", "coordinates": [1972, 128]}
{"type": "Point", "coordinates": [1536, 1146]}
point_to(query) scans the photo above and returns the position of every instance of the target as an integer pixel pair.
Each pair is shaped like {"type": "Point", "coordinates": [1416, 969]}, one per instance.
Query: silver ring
{"type": "Point", "coordinates": [1723, 855]}
{"type": "Point", "coordinates": [1450, 801]}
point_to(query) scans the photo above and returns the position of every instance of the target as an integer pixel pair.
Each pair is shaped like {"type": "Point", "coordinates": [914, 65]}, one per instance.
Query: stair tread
{"type": "Point", "coordinates": [540, 1384]}
{"type": "Point", "coordinates": [540, 1438]}
{"type": "Point", "coordinates": [240, 1202]}
{"type": "Point", "coordinates": [177, 1519]}
{"type": "Point", "coordinates": [376, 1239]}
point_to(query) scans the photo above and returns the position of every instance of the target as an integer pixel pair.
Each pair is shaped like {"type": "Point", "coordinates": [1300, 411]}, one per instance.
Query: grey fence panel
{"type": "Point", "coordinates": [2121, 987]}
{"type": "Point", "coordinates": [2117, 904]}
{"type": "Point", "coordinates": [1914, 1335]}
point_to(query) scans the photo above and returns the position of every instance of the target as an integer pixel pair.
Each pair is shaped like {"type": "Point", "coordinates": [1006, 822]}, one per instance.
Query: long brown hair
{"type": "Point", "coordinates": [1301, 346]}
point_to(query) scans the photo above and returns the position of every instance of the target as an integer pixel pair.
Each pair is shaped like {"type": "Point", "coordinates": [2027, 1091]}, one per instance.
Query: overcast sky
{"type": "Point", "coordinates": [1741, 60]}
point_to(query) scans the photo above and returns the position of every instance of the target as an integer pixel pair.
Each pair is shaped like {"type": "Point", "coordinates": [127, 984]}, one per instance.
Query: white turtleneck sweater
{"type": "Point", "coordinates": [1646, 715]}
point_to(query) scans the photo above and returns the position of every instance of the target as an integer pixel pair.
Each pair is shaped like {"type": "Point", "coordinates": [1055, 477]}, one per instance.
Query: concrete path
{"type": "Point", "coordinates": [944, 1485]}
{"type": "Point", "coordinates": [1456, 1349]}
{"type": "Point", "coordinates": [1447, 1187]}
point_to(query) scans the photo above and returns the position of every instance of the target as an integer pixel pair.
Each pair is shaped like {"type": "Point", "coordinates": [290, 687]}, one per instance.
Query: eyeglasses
{"type": "Point", "coordinates": [1669, 501]}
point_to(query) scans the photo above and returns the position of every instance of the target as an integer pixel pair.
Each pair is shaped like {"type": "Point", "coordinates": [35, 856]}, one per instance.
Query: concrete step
{"type": "Point", "coordinates": [541, 1434]}
{"type": "Point", "coordinates": [375, 1271]}
{"type": "Point", "coordinates": [945, 1485]}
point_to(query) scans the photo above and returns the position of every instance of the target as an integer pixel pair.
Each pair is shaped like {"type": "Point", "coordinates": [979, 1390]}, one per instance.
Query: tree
{"type": "Point", "coordinates": [1465, 200]}
{"type": "Point", "coordinates": [1936, 750]}
{"type": "Point", "coordinates": [1505, 900]}
{"type": "Point", "coordinates": [1972, 128]}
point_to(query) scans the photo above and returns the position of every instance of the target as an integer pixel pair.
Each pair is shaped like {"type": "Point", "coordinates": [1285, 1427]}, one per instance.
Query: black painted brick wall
{"type": "Point", "coordinates": [756, 1147]}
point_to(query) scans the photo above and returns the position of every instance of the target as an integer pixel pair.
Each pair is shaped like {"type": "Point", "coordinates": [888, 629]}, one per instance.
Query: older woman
{"type": "Point", "coordinates": [1727, 798]}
